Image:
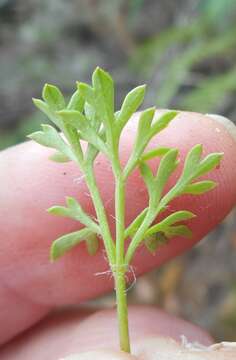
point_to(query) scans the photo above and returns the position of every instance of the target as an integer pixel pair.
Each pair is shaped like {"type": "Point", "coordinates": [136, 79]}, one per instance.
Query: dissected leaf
{"type": "Point", "coordinates": [41, 105]}
{"type": "Point", "coordinates": [193, 168]}
{"type": "Point", "coordinates": [167, 166]}
{"type": "Point", "coordinates": [53, 97]}
{"type": "Point", "coordinates": [154, 241]}
{"type": "Point", "coordinates": [144, 126]}
{"type": "Point", "coordinates": [92, 117]}
{"type": "Point", "coordinates": [162, 122]}
{"type": "Point", "coordinates": [145, 132]}
{"type": "Point", "coordinates": [141, 140]}
{"type": "Point", "coordinates": [81, 215]}
{"type": "Point", "coordinates": [89, 116]}
{"type": "Point", "coordinates": [104, 88]}
{"type": "Point", "coordinates": [73, 138]}
{"type": "Point", "coordinates": [75, 211]}
{"type": "Point", "coordinates": [48, 137]}
{"type": "Point", "coordinates": [148, 177]}
{"type": "Point", "coordinates": [76, 102]}
{"type": "Point", "coordinates": [208, 163]}
{"type": "Point", "coordinates": [131, 103]}
{"type": "Point", "coordinates": [104, 98]}
{"type": "Point", "coordinates": [192, 161]}
{"type": "Point", "coordinates": [51, 138]}
{"type": "Point", "coordinates": [92, 244]}
{"type": "Point", "coordinates": [136, 223]}
{"type": "Point", "coordinates": [174, 218]}
{"type": "Point", "coordinates": [75, 119]}
{"type": "Point", "coordinates": [87, 132]}
{"type": "Point", "coordinates": [86, 92]}
{"type": "Point", "coordinates": [66, 242]}
{"type": "Point", "coordinates": [59, 157]}
{"type": "Point", "coordinates": [179, 230]}
{"type": "Point", "coordinates": [200, 187]}
{"type": "Point", "coordinates": [159, 151]}
{"type": "Point", "coordinates": [177, 217]}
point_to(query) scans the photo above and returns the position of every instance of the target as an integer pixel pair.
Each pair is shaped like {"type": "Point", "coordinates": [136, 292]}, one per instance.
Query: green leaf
{"type": "Point", "coordinates": [166, 167]}
{"type": "Point", "coordinates": [162, 122]}
{"type": "Point", "coordinates": [73, 138]}
{"type": "Point", "coordinates": [177, 217]}
{"type": "Point", "coordinates": [141, 140]}
{"type": "Point", "coordinates": [59, 157]}
{"type": "Point", "coordinates": [144, 126]}
{"type": "Point", "coordinates": [104, 88]}
{"type": "Point", "coordinates": [136, 223]}
{"type": "Point", "coordinates": [84, 218]}
{"type": "Point", "coordinates": [156, 184]}
{"type": "Point", "coordinates": [53, 97]}
{"type": "Point", "coordinates": [91, 116]}
{"type": "Point", "coordinates": [50, 137]}
{"type": "Point", "coordinates": [193, 168]}
{"type": "Point", "coordinates": [131, 103]}
{"type": "Point", "coordinates": [192, 161]}
{"type": "Point", "coordinates": [103, 101]}
{"type": "Point", "coordinates": [208, 163]}
{"type": "Point", "coordinates": [61, 211]}
{"type": "Point", "coordinates": [75, 119]}
{"type": "Point", "coordinates": [76, 102]}
{"type": "Point", "coordinates": [89, 112]}
{"type": "Point", "coordinates": [42, 106]}
{"type": "Point", "coordinates": [75, 211]}
{"type": "Point", "coordinates": [174, 218]}
{"type": "Point", "coordinates": [95, 123]}
{"type": "Point", "coordinates": [66, 242]}
{"type": "Point", "coordinates": [178, 230]}
{"type": "Point", "coordinates": [86, 92]}
{"type": "Point", "coordinates": [159, 151]}
{"type": "Point", "coordinates": [200, 187]}
{"type": "Point", "coordinates": [87, 132]}
{"type": "Point", "coordinates": [92, 244]}
{"type": "Point", "coordinates": [148, 177]}
{"type": "Point", "coordinates": [154, 241]}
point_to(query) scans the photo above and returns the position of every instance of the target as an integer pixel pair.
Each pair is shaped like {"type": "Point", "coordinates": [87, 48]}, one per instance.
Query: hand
{"type": "Point", "coordinates": [31, 287]}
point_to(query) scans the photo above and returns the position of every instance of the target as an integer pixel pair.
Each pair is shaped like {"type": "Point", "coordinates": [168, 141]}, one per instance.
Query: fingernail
{"type": "Point", "coordinates": [228, 124]}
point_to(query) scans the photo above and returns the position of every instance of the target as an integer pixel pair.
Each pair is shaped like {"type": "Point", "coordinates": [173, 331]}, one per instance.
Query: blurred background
{"type": "Point", "coordinates": [185, 50]}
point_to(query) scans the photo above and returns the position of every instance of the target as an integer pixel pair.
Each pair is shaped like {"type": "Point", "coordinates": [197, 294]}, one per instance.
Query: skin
{"type": "Point", "coordinates": [31, 287]}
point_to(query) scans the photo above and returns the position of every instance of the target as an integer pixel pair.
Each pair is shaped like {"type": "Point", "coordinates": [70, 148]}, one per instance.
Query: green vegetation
{"type": "Point", "coordinates": [90, 117]}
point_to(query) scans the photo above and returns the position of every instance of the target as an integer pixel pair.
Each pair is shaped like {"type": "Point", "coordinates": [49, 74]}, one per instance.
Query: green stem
{"type": "Point", "coordinates": [122, 309]}
{"type": "Point", "coordinates": [120, 268]}
{"type": "Point", "coordinates": [120, 220]}
{"type": "Point", "coordinates": [101, 215]}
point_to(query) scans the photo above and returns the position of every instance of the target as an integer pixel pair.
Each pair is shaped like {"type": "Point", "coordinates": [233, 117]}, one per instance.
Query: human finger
{"type": "Point", "coordinates": [30, 183]}
{"type": "Point", "coordinates": [68, 333]}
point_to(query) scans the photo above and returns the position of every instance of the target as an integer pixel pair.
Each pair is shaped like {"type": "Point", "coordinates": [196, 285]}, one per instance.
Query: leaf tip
{"type": "Point", "coordinates": [52, 210]}
{"type": "Point", "coordinates": [30, 136]}
{"type": "Point", "coordinates": [46, 88]}
{"type": "Point", "coordinates": [143, 87]}
{"type": "Point", "coordinates": [35, 100]}
{"type": "Point", "coordinates": [54, 254]}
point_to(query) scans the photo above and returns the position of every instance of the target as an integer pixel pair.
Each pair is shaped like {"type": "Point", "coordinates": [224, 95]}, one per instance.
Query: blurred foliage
{"type": "Point", "coordinates": [181, 53]}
